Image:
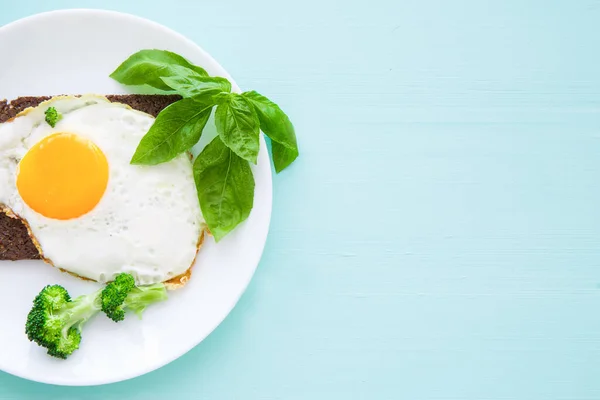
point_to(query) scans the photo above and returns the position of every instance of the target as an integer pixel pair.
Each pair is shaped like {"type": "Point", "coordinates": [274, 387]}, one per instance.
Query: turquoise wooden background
{"type": "Point", "coordinates": [439, 237]}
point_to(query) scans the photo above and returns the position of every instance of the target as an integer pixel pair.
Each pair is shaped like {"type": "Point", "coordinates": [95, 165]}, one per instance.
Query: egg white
{"type": "Point", "coordinates": [148, 222]}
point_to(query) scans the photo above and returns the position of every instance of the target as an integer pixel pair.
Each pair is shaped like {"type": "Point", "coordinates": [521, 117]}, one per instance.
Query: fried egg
{"type": "Point", "coordinates": [88, 210]}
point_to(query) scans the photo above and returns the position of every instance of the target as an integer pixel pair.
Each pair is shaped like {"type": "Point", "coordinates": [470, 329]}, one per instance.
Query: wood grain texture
{"type": "Point", "coordinates": [438, 237]}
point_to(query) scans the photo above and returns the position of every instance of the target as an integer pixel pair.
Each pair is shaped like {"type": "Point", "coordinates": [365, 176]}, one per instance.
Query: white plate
{"type": "Point", "coordinates": [74, 51]}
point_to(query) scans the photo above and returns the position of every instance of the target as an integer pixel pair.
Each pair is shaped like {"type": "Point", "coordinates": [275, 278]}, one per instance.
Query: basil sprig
{"type": "Point", "coordinates": [224, 180]}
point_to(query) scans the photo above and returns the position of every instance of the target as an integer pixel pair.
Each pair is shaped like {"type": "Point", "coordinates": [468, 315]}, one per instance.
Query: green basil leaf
{"type": "Point", "coordinates": [221, 97]}
{"type": "Point", "coordinates": [282, 156]}
{"type": "Point", "coordinates": [238, 126]}
{"type": "Point", "coordinates": [190, 84]}
{"type": "Point", "coordinates": [148, 66]}
{"type": "Point", "coordinates": [278, 127]}
{"type": "Point", "coordinates": [176, 129]}
{"type": "Point", "coordinates": [225, 187]}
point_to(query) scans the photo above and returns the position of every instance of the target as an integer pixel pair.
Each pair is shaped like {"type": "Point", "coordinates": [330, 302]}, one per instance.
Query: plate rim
{"type": "Point", "coordinates": [268, 190]}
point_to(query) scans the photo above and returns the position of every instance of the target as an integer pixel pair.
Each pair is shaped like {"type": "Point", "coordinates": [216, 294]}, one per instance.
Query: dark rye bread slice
{"type": "Point", "coordinates": [15, 243]}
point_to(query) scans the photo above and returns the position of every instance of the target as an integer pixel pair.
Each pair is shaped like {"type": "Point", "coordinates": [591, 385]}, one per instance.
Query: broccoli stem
{"type": "Point", "coordinates": [80, 310]}
{"type": "Point", "coordinates": [142, 296]}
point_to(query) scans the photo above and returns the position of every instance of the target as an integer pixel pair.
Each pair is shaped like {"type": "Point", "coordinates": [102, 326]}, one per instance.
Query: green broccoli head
{"type": "Point", "coordinates": [55, 320]}
{"type": "Point", "coordinates": [42, 324]}
{"type": "Point", "coordinates": [122, 295]}
{"type": "Point", "coordinates": [52, 116]}
{"type": "Point", "coordinates": [66, 344]}
{"type": "Point", "coordinates": [114, 294]}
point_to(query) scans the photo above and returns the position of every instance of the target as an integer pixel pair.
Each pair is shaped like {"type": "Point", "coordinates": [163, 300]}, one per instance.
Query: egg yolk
{"type": "Point", "coordinates": [63, 176]}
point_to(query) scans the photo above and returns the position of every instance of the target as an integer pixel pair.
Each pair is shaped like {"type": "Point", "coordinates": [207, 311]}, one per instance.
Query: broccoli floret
{"type": "Point", "coordinates": [121, 295]}
{"type": "Point", "coordinates": [52, 116]}
{"type": "Point", "coordinates": [114, 294]}
{"type": "Point", "coordinates": [55, 320]}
